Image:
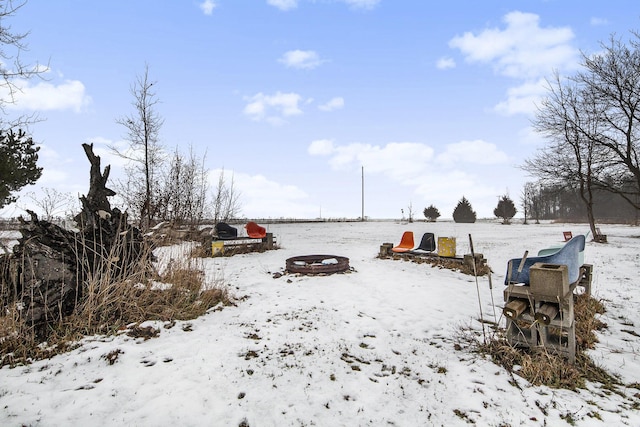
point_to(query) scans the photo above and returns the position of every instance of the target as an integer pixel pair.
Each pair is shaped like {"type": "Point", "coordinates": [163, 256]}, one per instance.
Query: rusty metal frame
{"type": "Point", "coordinates": [313, 264]}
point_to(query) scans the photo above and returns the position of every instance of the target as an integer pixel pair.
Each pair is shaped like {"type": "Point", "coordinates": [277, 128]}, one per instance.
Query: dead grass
{"type": "Point", "coordinates": [540, 367]}
{"type": "Point", "coordinates": [544, 368]}
{"type": "Point", "coordinates": [586, 308]}
{"type": "Point", "coordinates": [113, 300]}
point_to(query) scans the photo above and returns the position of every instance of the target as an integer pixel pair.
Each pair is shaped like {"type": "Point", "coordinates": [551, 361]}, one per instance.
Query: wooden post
{"type": "Point", "coordinates": [514, 308]}
{"type": "Point", "coordinates": [586, 274]}
{"type": "Point", "coordinates": [479, 260]}
{"type": "Point", "coordinates": [385, 249]}
{"type": "Point", "coordinates": [546, 313]}
{"type": "Point", "coordinates": [268, 241]}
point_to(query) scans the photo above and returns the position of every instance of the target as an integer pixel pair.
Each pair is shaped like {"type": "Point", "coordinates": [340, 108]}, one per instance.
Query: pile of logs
{"type": "Point", "coordinates": [45, 276]}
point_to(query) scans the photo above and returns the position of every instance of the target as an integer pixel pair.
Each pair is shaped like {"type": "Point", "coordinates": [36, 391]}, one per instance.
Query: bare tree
{"type": "Point", "coordinates": [226, 199]}
{"type": "Point", "coordinates": [592, 120]}
{"type": "Point", "coordinates": [525, 200]}
{"type": "Point", "coordinates": [184, 189]}
{"type": "Point", "coordinates": [567, 116]}
{"type": "Point", "coordinates": [410, 210]}
{"type": "Point", "coordinates": [612, 79]}
{"type": "Point", "coordinates": [12, 69]}
{"type": "Point", "coordinates": [144, 152]}
{"type": "Point", "coordinates": [52, 202]}
{"type": "Point", "coordinates": [530, 200]}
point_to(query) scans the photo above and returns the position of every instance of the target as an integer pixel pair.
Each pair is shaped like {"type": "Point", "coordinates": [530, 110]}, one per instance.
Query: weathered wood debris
{"type": "Point", "coordinates": [50, 267]}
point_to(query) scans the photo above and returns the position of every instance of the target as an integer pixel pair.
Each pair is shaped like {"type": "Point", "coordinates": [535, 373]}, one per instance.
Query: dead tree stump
{"type": "Point", "coordinates": [46, 275]}
{"type": "Point", "coordinates": [96, 204]}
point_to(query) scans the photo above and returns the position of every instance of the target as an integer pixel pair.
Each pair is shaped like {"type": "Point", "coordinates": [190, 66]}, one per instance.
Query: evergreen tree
{"type": "Point", "coordinates": [505, 209]}
{"type": "Point", "coordinates": [463, 212]}
{"type": "Point", "coordinates": [18, 158]}
{"type": "Point", "coordinates": [431, 213]}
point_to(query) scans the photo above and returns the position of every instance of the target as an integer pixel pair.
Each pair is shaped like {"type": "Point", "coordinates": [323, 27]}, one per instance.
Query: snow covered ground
{"type": "Point", "coordinates": [371, 347]}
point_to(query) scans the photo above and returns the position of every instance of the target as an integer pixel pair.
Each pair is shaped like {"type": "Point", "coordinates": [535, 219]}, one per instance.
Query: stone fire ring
{"type": "Point", "coordinates": [317, 264]}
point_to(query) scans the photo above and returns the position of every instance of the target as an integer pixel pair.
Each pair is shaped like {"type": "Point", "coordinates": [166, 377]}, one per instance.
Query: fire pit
{"type": "Point", "coordinates": [317, 264]}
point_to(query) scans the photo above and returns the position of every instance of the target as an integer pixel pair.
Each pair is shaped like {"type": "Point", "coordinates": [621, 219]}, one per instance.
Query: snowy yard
{"type": "Point", "coordinates": [371, 347]}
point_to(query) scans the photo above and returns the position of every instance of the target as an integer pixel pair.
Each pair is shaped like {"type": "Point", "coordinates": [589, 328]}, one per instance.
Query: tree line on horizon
{"type": "Point", "coordinates": [551, 203]}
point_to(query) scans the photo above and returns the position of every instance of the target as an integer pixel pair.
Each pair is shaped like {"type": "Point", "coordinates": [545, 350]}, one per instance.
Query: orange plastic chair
{"type": "Point", "coordinates": [255, 231]}
{"type": "Point", "coordinates": [406, 243]}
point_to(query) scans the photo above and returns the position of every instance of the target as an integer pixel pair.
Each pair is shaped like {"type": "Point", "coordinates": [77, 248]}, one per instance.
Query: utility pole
{"type": "Point", "coordinates": [362, 217]}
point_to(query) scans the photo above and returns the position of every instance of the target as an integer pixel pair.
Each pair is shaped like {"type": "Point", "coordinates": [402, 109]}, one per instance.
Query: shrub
{"type": "Point", "coordinates": [431, 213]}
{"type": "Point", "coordinates": [463, 212]}
{"type": "Point", "coordinates": [505, 209]}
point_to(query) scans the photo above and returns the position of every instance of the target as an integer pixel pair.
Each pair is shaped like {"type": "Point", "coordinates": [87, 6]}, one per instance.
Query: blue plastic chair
{"type": "Point", "coordinates": [569, 255]}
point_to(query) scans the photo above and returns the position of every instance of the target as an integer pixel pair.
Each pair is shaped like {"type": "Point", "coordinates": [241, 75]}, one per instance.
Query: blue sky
{"type": "Point", "coordinates": [295, 97]}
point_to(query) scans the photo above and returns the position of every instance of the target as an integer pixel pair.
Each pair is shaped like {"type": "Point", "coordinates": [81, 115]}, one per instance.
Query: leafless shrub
{"type": "Point", "coordinates": [51, 202]}
{"type": "Point", "coordinates": [226, 199]}
{"type": "Point", "coordinates": [183, 190]}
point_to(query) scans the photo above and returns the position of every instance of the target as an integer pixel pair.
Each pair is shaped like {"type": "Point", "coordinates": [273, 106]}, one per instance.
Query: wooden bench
{"type": "Point", "coordinates": [242, 244]}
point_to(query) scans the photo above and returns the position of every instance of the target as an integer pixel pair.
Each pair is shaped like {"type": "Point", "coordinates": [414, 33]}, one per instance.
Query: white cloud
{"type": "Point", "coordinates": [399, 160]}
{"type": "Point", "coordinates": [41, 68]}
{"type": "Point", "coordinates": [321, 147]}
{"type": "Point", "coordinates": [333, 104]}
{"type": "Point", "coordinates": [55, 177]}
{"type": "Point", "coordinates": [596, 22]}
{"type": "Point", "coordinates": [445, 63]}
{"type": "Point", "coordinates": [458, 183]}
{"type": "Point", "coordinates": [55, 168]}
{"type": "Point", "coordinates": [362, 4]}
{"type": "Point", "coordinates": [47, 154]}
{"type": "Point", "coordinates": [521, 50]}
{"type": "Point", "coordinates": [476, 152]}
{"type": "Point", "coordinates": [523, 99]}
{"type": "Point", "coordinates": [108, 156]}
{"type": "Point", "coordinates": [46, 96]}
{"type": "Point", "coordinates": [417, 168]}
{"type": "Point", "coordinates": [283, 4]}
{"type": "Point", "coordinates": [524, 51]}
{"type": "Point", "coordinates": [207, 6]}
{"type": "Point", "coordinates": [482, 194]}
{"type": "Point", "coordinates": [261, 197]}
{"type": "Point", "coordinates": [302, 59]}
{"type": "Point", "coordinates": [355, 4]}
{"type": "Point", "coordinates": [528, 136]}
{"type": "Point", "coordinates": [273, 108]}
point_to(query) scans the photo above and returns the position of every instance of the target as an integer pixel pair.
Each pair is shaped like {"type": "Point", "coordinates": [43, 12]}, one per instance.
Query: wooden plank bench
{"type": "Point", "coordinates": [242, 243]}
